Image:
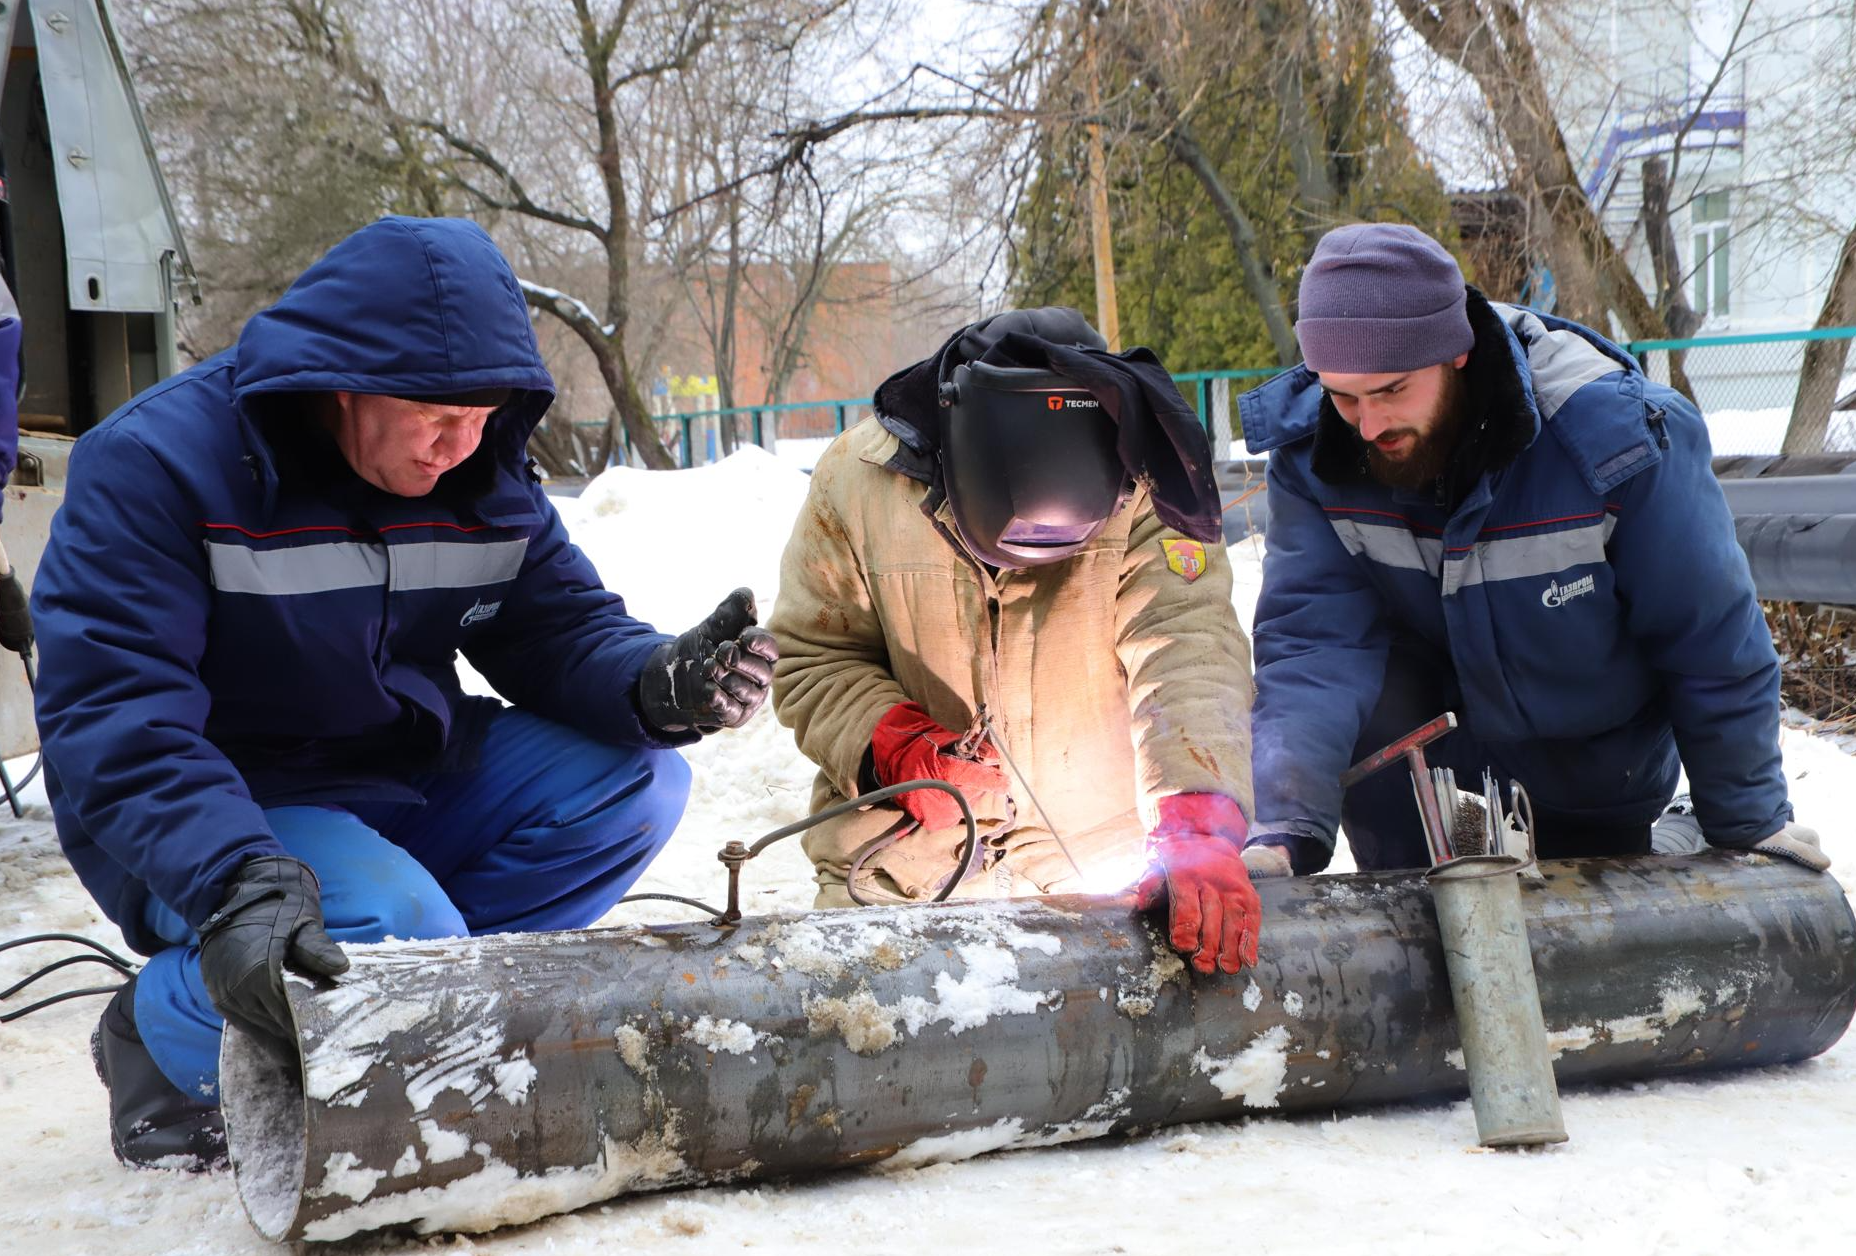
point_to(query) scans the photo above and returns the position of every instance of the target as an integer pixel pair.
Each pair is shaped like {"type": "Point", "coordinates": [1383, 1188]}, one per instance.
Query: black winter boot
{"type": "Point", "coordinates": [153, 1124]}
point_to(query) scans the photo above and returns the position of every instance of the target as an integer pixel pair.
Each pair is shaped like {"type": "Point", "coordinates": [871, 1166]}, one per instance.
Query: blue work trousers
{"type": "Point", "coordinates": [548, 833]}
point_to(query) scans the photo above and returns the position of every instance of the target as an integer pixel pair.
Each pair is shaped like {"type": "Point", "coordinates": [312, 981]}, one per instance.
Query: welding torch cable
{"type": "Point", "coordinates": [104, 955]}
{"type": "Point", "coordinates": [969, 848]}
{"type": "Point", "coordinates": [876, 845]}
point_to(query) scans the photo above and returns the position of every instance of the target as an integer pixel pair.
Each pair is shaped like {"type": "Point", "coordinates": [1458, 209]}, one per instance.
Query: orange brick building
{"type": "Point", "coordinates": [849, 345]}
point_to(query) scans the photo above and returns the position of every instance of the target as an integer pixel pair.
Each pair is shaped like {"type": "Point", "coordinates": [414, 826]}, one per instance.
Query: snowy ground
{"type": "Point", "coordinates": [1761, 1161]}
{"type": "Point", "coordinates": [1734, 432]}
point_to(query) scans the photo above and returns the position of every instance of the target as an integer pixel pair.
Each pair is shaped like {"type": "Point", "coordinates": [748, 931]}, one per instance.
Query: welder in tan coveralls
{"type": "Point", "coordinates": [1020, 553]}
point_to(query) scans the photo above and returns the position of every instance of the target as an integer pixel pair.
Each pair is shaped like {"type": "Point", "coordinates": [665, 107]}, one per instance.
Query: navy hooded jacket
{"type": "Point", "coordinates": [1587, 590]}
{"type": "Point", "coordinates": [229, 618]}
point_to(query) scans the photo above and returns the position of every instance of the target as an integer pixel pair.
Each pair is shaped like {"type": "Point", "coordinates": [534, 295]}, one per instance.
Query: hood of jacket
{"type": "Point", "coordinates": [403, 307]}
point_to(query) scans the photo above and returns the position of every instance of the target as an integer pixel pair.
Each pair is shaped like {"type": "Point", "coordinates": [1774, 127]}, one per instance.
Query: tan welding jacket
{"type": "Point", "coordinates": [1114, 678]}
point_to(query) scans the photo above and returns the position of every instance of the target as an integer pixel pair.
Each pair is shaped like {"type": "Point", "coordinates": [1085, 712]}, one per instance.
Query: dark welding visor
{"type": "Point", "coordinates": [1029, 464]}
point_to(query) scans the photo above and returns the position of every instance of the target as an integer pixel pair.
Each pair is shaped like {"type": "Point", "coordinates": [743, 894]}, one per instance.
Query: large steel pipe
{"type": "Point", "coordinates": [466, 1085]}
{"type": "Point", "coordinates": [1800, 558]}
{"type": "Point", "coordinates": [1799, 534]}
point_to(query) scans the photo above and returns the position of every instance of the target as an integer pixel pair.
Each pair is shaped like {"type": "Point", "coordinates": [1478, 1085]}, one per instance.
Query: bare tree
{"type": "Point", "coordinates": [608, 58]}
{"type": "Point", "coordinates": [1824, 359]}
{"type": "Point", "coordinates": [756, 260]}
{"type": "Point", "coordinates": [1656, 218]}
{"type": "Point", "coordinates": [1491, 41]}
{"type": "Point", "coordinates": [616, 48]}
{"type": "Point", "coordinates": [272, 156]}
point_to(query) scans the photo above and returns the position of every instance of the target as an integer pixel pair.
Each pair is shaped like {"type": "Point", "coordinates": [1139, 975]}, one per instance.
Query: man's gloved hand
{"type": "Point", "coordinates": [1797, 843]}
{"type": "Point", "coordinates": [908, 746]}
{"type": "Point", "coordinates": [1212, 908]}
{"type": "Point", "coordinates": [1264, 858]}
{"type": "Point", "coordinates": [271, 916]}
{"type": "Point", "coordinates": [15, 617]}
{"type": "Point", "coordinates": [712, 677]}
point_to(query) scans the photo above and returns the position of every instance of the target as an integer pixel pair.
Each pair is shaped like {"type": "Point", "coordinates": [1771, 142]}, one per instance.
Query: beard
{"type": "Point", "coordinates": [1430, 453]}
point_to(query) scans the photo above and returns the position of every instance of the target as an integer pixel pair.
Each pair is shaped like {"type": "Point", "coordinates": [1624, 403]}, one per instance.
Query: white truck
{"type": "Point", "coordinates": [92, 252]}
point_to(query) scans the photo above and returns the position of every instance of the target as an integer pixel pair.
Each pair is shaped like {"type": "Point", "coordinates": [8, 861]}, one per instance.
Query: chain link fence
{"type": "Point", "coordinates": [1745, 386]}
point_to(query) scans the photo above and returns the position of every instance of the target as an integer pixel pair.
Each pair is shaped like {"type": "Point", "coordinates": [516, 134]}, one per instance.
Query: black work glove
{"type": "Point", "coordinates": [15, 618]}
{"type": "Point", "coordinates": [712, 677]}
{"type": "Point", "coordinates": [271, 916]}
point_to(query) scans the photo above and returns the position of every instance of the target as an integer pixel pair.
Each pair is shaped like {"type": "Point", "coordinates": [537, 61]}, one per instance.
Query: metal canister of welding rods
{"type": "Point", "coordinates": [1491, 970]}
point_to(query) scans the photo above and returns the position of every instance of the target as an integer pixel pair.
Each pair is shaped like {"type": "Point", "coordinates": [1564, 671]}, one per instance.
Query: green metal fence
{"type": "Point", "coordinates": [801, 429]}
{"type": "Point", "coordinates": [1744, 385]}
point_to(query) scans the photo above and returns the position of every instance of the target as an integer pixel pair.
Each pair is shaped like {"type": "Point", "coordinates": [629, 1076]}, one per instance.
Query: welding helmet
{"type": "Point", "coordinates": [1028, 463]}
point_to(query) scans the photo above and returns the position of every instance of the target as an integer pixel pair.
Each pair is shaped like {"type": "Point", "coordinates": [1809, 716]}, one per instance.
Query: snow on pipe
{"type": "Point", "coordinates": [469, 1084]}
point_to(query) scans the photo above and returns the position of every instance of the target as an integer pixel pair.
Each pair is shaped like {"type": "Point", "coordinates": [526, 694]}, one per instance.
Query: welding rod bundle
{"type": "Point", "coordinates": [1476, 889]}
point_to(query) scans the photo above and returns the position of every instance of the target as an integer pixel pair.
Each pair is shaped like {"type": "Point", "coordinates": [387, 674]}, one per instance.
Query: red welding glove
{"type": "Point", "coordinates": [908, 746]}
{"type": "Point", "coordinates": [1196, 866]}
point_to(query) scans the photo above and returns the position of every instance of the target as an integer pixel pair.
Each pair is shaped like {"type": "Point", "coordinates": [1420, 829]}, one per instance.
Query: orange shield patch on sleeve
{"type": "Point", "coordinates": [1186, 558]}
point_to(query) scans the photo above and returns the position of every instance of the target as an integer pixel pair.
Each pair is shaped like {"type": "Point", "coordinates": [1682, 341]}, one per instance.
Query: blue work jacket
{"type": "Point", "coordinates": [1586, 589]}
{"type": "Point", "coordinates": [229, 618]}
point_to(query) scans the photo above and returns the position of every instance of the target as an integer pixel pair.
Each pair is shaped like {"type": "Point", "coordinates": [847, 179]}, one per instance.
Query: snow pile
{"type": "Point", "coordinates": [673, 543]}
{"type": "Point", "coordinates": [1763, 431]}
{"type": "Point", "coordinates": [802, 451]}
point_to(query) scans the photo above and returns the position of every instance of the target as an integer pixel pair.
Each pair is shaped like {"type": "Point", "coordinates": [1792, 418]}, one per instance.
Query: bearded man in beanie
{"type": "Point", "coordinates": [249, 615]}
{"type": "Point", "coordinates": [1011, 579]}
{"type": "Point", "coordinates": [1484, 509]}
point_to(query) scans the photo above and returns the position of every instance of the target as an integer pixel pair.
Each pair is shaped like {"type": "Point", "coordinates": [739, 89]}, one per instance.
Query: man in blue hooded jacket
{"type": "Point", "coordinates": [1483, 509]}
{"type": "Point", "coordinates": [249, 613]}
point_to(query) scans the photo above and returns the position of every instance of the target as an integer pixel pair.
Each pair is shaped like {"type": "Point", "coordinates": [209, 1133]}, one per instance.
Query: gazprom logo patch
{"type": "Point", "coordinates": [1557, 594]}
{"type": "Point", "coordinates": [479, 612]}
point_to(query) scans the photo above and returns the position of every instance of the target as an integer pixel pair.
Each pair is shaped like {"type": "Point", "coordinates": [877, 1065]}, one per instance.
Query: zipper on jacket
{"type": "Point", "coordinates": [386, 608]}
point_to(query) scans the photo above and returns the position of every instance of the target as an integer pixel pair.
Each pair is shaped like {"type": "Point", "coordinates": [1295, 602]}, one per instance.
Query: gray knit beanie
{"type": "Point", "coordinates": [1379, 298]}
